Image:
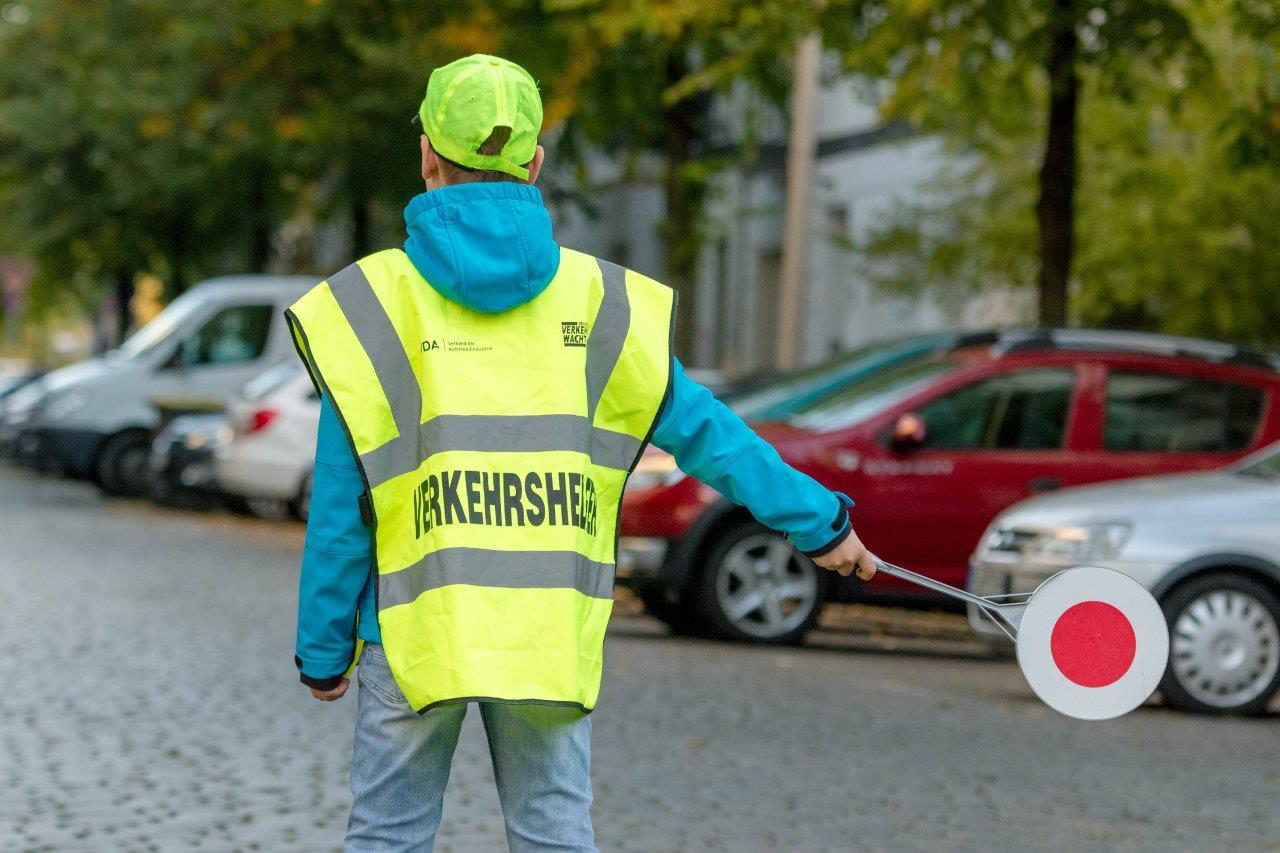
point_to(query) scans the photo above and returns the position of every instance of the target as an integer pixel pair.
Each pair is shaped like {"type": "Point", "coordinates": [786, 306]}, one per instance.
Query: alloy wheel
{"type": "Point", "coordinates": [764, 587]}
{"type": "Point", "coordinates": [1225, 648]}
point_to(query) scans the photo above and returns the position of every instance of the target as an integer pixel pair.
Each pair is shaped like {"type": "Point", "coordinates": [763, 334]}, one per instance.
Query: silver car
{"type": "Point", "coordinates": [1206, 545]}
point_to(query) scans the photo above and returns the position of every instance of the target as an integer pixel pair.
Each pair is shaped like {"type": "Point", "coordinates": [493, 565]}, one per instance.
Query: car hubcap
{"type": "Point", "coordinates": [1225, 648]}
{"type": "Point", "coordinates": [764, 587]}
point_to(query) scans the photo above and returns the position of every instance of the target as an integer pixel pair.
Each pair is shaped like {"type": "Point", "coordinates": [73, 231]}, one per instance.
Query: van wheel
{"type": "Point", "coordinates": [121, 468]}
{"type": "Point", "coordinates": [1224, 645]}
{"type": "Point", "coordinates": [757, 588]}
{"type": "Point", "coordinates": [268, 509]}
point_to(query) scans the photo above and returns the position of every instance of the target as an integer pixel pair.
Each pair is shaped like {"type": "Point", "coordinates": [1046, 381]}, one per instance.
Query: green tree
{"type": "Point", "coordinates": [136, 135]}
{"type": "Point", "coordinates": [979, 70]}
{"type": "Point", "coordinates": [1178, 202]}
{"type": "Point", "coordinates": [132, 138]}
{"type": "Point", "coordinates": [140, 135]}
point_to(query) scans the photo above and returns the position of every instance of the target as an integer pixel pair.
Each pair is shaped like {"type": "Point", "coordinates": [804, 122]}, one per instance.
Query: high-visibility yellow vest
{"type": "Point", "coordinates": [494, 450]}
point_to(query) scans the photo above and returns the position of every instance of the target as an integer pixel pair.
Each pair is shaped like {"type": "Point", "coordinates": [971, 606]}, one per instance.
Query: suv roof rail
{"type": "Point", "coordinates": [1030, 340]}
{"type": "Point", "coordinates": [1255, 358]}
{"type": "Point", "coordinates": [986, 337]}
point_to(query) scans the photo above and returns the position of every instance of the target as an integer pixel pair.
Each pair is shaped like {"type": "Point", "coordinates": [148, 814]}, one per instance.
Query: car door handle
{"type": "Point", "coordinates": [1043, 484]}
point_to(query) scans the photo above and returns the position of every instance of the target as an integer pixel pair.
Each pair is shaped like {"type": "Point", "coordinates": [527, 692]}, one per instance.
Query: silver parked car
{"type": "Point", "coordinates": [1206, 545]}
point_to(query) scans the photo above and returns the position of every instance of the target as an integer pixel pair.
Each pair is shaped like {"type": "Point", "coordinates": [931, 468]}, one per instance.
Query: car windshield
{"type": "Point", "coordinates": [799, 389]}
{"type": "Point", "coordinates": [156, 332]}
{"type": "Point", "coordinates": [269, 380]}
{"type": "Point", "coordinates": [9, 384]}
{"type": "Point", "coordinates": [871, 394]}
{"type": "Point", "coordinates": [1265, 464]}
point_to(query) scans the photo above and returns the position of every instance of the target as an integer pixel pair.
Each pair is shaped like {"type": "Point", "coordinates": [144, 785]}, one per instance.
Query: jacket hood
{"type": "Point", "coordinates": [485, 246]}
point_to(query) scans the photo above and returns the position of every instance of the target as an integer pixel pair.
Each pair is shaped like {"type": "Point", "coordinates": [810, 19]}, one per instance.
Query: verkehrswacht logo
{"type": "Point", "coordinates": [575, 334]}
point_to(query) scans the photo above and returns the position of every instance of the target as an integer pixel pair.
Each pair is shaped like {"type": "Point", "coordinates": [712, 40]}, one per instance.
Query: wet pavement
{"type": "Point", "coordinates": [151, 703]}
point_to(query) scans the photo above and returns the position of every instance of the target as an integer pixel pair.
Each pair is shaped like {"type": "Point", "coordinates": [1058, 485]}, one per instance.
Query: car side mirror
{"type": "Point", "coordinates": [908, 433]}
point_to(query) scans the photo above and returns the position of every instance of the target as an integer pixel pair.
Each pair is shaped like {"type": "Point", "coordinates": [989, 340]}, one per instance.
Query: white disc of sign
{"type": "Point", "coordinates": [1092, 643]}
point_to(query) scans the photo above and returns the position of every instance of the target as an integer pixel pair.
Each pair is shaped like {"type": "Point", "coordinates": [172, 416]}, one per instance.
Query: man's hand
{"type": "Point", "coordinates": [335, 693]}
{"type": "Point", "coordinates": [849, 555]}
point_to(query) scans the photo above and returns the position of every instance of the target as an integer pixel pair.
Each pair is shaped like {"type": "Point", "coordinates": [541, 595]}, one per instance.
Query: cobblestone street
{"type": "Point", "coordinates": [150, 703]}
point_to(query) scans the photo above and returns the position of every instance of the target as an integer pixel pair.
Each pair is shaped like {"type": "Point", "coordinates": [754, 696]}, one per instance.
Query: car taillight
{"type": "Point", "coordinates": [260, 419]}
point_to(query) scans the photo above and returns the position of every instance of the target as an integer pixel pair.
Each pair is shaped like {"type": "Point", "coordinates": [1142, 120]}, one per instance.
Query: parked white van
{"type": "Point", "coordinates": [95, 419]}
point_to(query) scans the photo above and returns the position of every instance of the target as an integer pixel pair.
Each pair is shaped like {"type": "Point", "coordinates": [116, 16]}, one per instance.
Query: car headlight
{"type": "Point", "coordinates": [18, 413]}
{"type": "Point", "coordinates": [23, 402]}
{"type": "Point", "coordinates": [653, 470]}
{"type": "Point", "coordinates": [66, 404]}
{"type": "Point", "coordinates": [195, 440]}
{"type": "Point", "coordinates": [210, 437]}
{"type": "Point", "coordinates": [1081, 543]}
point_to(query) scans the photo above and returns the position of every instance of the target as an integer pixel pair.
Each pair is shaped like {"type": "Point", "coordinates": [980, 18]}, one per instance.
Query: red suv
{"type": "Point", "coordinates": [932, 448]}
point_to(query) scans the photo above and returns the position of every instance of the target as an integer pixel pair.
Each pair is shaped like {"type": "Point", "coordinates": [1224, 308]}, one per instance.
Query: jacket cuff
{"type": "Point", "coordinates": [834, 543]}
{"type": "Point", "coordinates": [316, 683]}
{"type": "Point", "coordinates": [321, 684]}
{"type": "Point", "coordinates": [840, 526]}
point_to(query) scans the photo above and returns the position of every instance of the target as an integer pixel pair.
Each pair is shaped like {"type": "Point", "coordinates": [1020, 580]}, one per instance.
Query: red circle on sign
{"type": "Point", "coordinates": [1093, 644]}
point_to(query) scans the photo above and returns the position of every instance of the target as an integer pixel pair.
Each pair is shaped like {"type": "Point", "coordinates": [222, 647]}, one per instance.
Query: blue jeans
{"type": "Point", "coordinates": [400, 765]}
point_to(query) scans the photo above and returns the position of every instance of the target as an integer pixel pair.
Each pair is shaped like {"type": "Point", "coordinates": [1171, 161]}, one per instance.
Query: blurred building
{"type": "Point", "coordinates": [863, 167]}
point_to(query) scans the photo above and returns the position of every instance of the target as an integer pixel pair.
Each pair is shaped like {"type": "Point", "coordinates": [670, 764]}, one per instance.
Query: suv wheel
{"type": "Point", "coordinates": [757, 588]}
{"type": "Point", "coordinates": [671, 610]}
{"type": "Point", "coordinates": [122, 465]}
{"type": "Point", "coordinates": [1224, 645]}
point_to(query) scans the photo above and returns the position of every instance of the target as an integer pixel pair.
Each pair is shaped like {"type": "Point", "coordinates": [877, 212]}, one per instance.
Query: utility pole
{"type": "Point", "coordinates": [795, 234]}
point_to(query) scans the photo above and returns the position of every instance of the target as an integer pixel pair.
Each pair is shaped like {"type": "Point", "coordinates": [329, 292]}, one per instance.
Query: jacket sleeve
{"type": "Point", "coordinates": [336, 560]}
{"type": "Point", "coordinates": [713, 445]}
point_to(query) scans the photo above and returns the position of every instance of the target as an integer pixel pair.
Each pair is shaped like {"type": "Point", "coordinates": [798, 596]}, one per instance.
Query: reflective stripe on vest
{"type": "Point", "coordinates": [495, 448]}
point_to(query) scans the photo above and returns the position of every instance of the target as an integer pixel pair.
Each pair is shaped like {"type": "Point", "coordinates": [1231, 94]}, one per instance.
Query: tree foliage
{"type": "Point", "coordinates": [136, 134]}
{"type": "Point", "coordinates": [144, 135]}
{"type": "Point", "coordinates": [1178, 197]}
{"type": "Point", "coordinates": [1009, 77]}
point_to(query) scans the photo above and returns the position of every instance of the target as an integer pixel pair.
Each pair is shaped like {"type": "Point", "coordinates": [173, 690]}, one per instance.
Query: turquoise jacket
{"type": "Point", "coordinates": [489, 247]}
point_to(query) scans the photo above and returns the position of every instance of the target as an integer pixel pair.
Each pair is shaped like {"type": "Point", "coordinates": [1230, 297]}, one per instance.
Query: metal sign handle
{"type": "Point", "coordinates": [1004, 614]}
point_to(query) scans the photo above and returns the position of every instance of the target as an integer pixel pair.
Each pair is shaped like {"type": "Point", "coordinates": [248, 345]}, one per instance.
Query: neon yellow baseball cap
{"type": "Point", "coordinates": [478, 98]}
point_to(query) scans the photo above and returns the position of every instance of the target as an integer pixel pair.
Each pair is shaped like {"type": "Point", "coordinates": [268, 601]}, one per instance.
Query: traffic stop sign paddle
{"type": "Point", "coordinates": [1092, 643]}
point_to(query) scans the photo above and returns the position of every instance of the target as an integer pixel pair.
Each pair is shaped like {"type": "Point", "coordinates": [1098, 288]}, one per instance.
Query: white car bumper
{"type": "Point", "coordinates": [248, 468]}
{"type": "Point", "coordinates": [989, 577]}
